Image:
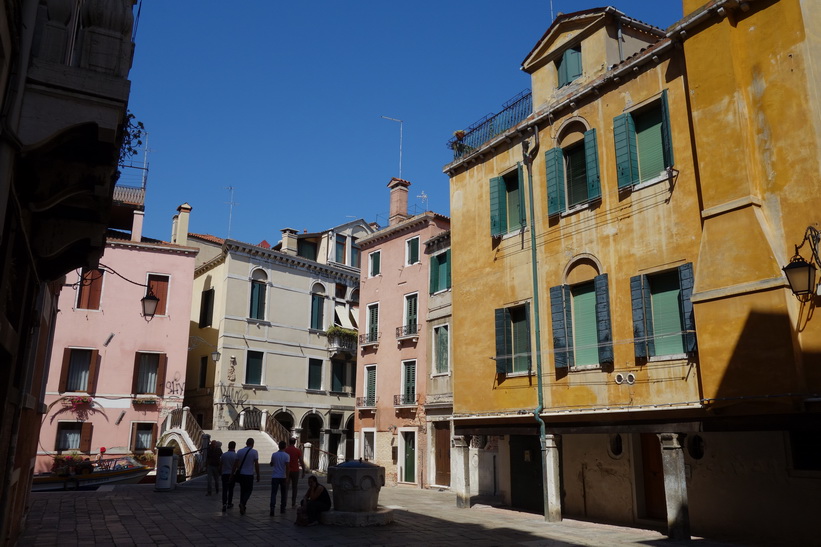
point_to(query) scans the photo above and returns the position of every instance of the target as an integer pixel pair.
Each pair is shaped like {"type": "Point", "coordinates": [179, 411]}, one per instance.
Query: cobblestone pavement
{"type": "Point", "coordinates": [137, 515]}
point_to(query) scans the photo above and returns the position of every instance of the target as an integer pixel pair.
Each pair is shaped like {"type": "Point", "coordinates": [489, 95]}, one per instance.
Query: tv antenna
{"type": "Point", "coordinates": [401, 123]}
{"type": "Point", "coordinates": [424, 197]}
{"type": "Point", "coordinates": [230, 204]}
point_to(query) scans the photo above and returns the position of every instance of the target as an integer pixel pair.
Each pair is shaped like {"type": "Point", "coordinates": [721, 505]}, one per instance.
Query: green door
{"type": "Point", "coordinates": [410, 457]}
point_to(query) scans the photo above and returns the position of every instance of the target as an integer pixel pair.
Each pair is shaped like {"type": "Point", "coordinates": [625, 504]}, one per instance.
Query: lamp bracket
{"type": "Point", "coordinates": [813, 237]}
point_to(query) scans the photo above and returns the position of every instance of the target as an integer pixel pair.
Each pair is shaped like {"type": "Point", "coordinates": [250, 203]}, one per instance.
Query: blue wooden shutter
{"type": "Point", "coordinates": [554, 165]}
{"type": "Point", "coordinates": [666, 133]}
{"type": "Point", "coordinates": [503, 341]}
{"type": "Point", "coordinates": [627, 164]}
{"type": "Point", "coordinates": [562, 323]}
{"type": "Point", "coordinates": [686, 278]}
{"type": "Point", "coordinates": [563, 79]}
{"type": "Point", "coordinates": [498, 207]}
{"type": "Point", "coordinates": [604, 330]}
{"type": "Point", "coordinates": [640, 333]}
{"type": "Point", "coordinates": [591, 157]}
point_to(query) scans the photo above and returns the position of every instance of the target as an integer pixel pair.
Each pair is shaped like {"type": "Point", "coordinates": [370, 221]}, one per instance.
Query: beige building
{"type": "Point", "coordinates": [283, 321]}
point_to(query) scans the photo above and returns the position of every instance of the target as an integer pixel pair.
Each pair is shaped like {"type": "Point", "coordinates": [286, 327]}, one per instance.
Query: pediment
{"type": "Point", "coordinates": [566, 30]}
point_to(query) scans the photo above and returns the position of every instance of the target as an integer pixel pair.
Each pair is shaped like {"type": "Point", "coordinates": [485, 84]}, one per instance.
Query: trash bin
{"type": "Point", "coordinates": [166, 469]}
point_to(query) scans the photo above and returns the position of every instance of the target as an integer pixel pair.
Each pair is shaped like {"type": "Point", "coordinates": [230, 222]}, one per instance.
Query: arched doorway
{"type": "Point", "coordinates": [312, 433]}
{"type": "Point", "coordinates": [285, 420]}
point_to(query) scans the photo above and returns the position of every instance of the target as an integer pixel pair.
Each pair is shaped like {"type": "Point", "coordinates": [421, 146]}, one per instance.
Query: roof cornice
{"type": "Point", "coordinates": [409, 225]}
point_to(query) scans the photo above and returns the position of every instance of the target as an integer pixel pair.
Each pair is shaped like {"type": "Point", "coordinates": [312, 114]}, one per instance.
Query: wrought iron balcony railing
{"type": "Point", "coordinates": [404, 399]}
{"type": "Point", "coordinates": [371, 337]}
{"type": "Point", "coordinates": [408, 331]}
{"type": "Point", "coordinates": [513, 112]}
{"type": "Point", "coordinates": [368, 401]}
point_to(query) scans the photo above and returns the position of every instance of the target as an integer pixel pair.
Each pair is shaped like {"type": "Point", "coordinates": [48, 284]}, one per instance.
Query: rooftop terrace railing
{"type": "Point", "coordinates": [513, 112]}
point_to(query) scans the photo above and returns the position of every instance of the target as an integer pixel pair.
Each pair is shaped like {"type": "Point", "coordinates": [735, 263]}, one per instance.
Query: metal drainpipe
{"type": "Point", "coordinates": [528, 156]}
{"type": "Point", "coordinates": [619, 38]}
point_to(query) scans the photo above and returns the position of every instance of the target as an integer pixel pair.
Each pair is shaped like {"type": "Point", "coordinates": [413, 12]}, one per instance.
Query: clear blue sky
{"type": "Point", "coordinates": [283, 101]}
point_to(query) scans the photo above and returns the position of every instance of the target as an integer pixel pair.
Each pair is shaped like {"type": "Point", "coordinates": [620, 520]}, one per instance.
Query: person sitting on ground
{"type": "Point", "coordinates": [316, 501]}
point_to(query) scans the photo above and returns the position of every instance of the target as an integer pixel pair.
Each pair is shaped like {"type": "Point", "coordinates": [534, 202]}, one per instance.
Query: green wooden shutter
{"type": "Point", "coordinates": [317, 302]}
{"type": "Point", "coordinates": [585, 339]}
{"type": "Point", "coordinates": [639, 311]}
{"type": "Point", "coordinates": [253, 368]}
{"type": "Point", "coordinates": [561, 325]}
{"type": "Point", "coordinates": [434, 274]}
{"type": "Point", "coordinates": [686, 281]}
{"type": "Point", "coordinates": [521, 196]}
{"type": "Point", "coordinates": [604, 328]}
{"type": "Point", "coordinates": [503, 341]}
{"type": "Point", "coordinates": [375, 266]}
{"type": "Point", "coordinates": [648, 125]}
{"type": "Point", "coordinates": [410, 382]}
{"type": "Point", "coordinates": [373, 323]}
{"type": "Point", "coordinates": [370, 392]}
{"type": "Point", "coordinates": [624, 136]}
{"type": "Point", "coordinates": [257, 300]}
{"type": "Point", "coordinates": [667, 321]}
{"type": "Point", "coordinates": [562, 70]}
{"type": "Point", "coordinates": [498, 207]}
{"type": "Point", "coordinates": [554, 165]}
{"type": "Point", "coordinates": [591, 156]}
{"type": "Point", "coordinates": [413, 250]}
{"type": "Point", "coordinates": [573, 58]}
{"type": "Point", "coordinates": [666, 131]}
{"type": "Point", "coordinates": [447, 269]}
{"type": "Point", "coordinates": [411, 317]}
{"type": "Point", "coordinates": [337, 376]}
{"type": "Point", "coordinates": [520, 337]}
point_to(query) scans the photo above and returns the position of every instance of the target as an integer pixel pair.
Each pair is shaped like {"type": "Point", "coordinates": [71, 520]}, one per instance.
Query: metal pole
{"type": "Point", "coordinates": [401, 124]}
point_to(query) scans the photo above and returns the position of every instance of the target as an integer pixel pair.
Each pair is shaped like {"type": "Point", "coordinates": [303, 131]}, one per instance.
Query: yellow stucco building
{"type": "Point", "coordinates": [623, 334]}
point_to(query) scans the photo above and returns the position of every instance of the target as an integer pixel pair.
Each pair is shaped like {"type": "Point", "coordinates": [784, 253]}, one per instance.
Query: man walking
{"type": "Point", "coordinates": [279, 477]}
{"type": "Point", "coordinates": [212, 466]}
{"type": "Point", "coordinates": [247, 463]}
{"type": "Point", "coordinates": [227, 462]}
{"type": "Point", "coordinates": [293, 468]}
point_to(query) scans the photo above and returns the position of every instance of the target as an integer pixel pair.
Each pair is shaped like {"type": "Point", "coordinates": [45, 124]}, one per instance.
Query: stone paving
{"type": "Point", "coordinates": [137, 515]}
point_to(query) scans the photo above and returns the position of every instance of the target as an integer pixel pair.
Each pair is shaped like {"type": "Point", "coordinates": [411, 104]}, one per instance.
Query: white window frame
{"type": "Point", "coordinates": [375, 383]}
{"type": "Point", "coordinates": [434, 345]}
{"type": "Point", "coordinates": [403, 381]}
{"type": "Point", "coordinates": [261, 372]}
{"type": "Point", "coordinates": [405, 324]}
{"type": "Point", "coordinates": [418, 251]}
{"type": "Point", "coordinates": [360, 450]}
{"type": "Point", "coordinates": [370, 263]}
{"type": "Point", "coordinates": [400, 463]}
{"type": "Point", "coordinates": [321, 375]}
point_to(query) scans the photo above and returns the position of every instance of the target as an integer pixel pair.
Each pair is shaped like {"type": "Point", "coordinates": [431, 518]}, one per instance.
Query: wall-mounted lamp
{"type": "Point", "coordinates": [149, 302]}
{"type": "Point", "coordinates": [194, 341]}
{"type": "Point", "coordinates": [215, 355]}
{"type": "Point", "coordinates": [800, 273]}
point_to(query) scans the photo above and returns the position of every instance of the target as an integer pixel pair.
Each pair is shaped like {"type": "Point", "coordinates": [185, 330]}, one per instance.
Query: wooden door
{"type": "Point", "coordinates": [409, 474]}
{"type": "Point", "coordinates": [442, 453]}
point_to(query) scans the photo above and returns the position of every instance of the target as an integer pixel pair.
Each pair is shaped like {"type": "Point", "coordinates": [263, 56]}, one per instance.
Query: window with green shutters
{"type": "Point", "coordinates": [644, 148]}
{"type": "Point", "coordinates": [373, 323]}
{"type": "Point", "coordinates": [408, 383]}
{"type": "Point", "coordinates": [569, 65]}
{"type": "Point", "coordinates": [580, 318]}
{"type": "Point", "coordinates": [513, 340]}
{"type": "Point", "coordinates": [315, 374]}
{"type": "Point", "coordinates": [370, 385]}
{"type": "Point", "coordinates": [355, 256]}
{"type": "Point", "coordinates": [306, 249]}
{"type": "Point", "coordinates": [339, 376]}
{"type": "Point", "coordinates": [341, 248]}
{"type": "Point", "coordinates": [259, 282]}
{"type": "Point", "coordinates": [317, 311]}
{"type": "Point", "coordinates": [440, 272]}
{"type": "Point", "coordinates": [374, 263]}
{"type": "Point", "coordinates": [411, 314]}
{"type": "Point", "coordinates": [253, 368]}
{"type": "Point", "coordinates": [507, 208]}
{"type": "Point", "coordinates": [663, 321]}
{"type": "Point", "coordinates": [441, 349]}
{"type": "Point", "coordinates": [412, 254]}
{"type": "Point", "coordinates": [572, 174]}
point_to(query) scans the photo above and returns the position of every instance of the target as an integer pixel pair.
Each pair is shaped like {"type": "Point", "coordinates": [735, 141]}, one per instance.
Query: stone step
{"type": "Point", "coordinates": [262, 442]}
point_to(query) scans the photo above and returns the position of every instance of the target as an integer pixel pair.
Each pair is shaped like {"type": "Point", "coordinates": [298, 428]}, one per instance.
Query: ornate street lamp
{"type": "Point", "coordinates": [800, 273]}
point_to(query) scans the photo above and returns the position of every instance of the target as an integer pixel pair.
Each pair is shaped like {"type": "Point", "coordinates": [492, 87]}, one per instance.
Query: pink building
{"type": "Point", "coordinates": [115, 374]}
{"type": "Point", "coordinates": [399, 273]}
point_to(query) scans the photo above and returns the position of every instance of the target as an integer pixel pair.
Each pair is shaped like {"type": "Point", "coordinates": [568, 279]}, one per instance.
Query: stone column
{"type": "Point", "coordinates": [553, 511]}
{"type": "Point", "coordinates": [460, 471]}
{"type": "Point", "coordinates": [675, 486]}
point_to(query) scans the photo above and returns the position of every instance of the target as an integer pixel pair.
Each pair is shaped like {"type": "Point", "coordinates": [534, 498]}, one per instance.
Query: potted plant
{"type": "Point", "coordinates": [78, 402]}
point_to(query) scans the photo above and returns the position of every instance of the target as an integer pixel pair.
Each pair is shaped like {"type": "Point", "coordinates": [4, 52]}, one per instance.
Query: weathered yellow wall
{"type": "Point", "coordinates": [754, 109]}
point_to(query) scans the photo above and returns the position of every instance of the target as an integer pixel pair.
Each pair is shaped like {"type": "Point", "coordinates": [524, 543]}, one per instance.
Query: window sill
{"type": "Point", "coordinates": [443, 374]}
{"type": "Point", "coordinates": [259, 322]}
{"type": "Point", "coordinates": [671, 357]}
{"type": "Point", "coordinates": [514, 233]}
{"type": "Point", "coordinates": [441, 291]}
{"type": "Point", "coordinates": [583, 368]}
{"type": "Point", "coordinates": [316, 391]}
{"type": "Point", "coordinates": [341, 393]}
{"type": "Point", "coordinates": [666, 175]}
{"type": "Point", "coordinates": [524, 374]}
{"type": "Point", "coordinates": [576, 209]}
{"type": "Point", "coordinates": [255, 387]}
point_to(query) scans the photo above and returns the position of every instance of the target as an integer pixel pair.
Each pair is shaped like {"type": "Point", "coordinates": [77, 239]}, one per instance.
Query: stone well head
{"type": "Point", "coordinates": [356, 485]}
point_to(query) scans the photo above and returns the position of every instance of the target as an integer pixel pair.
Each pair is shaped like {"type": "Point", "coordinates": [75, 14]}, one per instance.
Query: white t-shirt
{"type": "Point", "coordinates": [248, 465]}
{"type": "Point", "coordinates": [279, 461]}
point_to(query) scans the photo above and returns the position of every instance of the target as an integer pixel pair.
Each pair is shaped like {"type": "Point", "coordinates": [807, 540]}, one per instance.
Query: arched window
{"type": "Point", "coordinates": [258, 283]}
{"type": "Point", "coordinates": [318, 307]}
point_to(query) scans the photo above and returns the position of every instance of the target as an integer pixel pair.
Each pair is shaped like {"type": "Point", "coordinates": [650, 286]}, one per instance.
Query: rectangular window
{"type": "Point", "coordinates": [513, 339]}
{"type": "Point", "coordinates": [317, 311]}
{"type": "Point", "coordinates": [79, 370]}
{"type": "Point", "coordinates": [572, 174]}
{"type": "Point", "coordinates": [580, 317]}
{"type": "Point", "coordinates": [408, 396]}
{"type": "Point", "coordinates": [374, 263]}
{"type": "Point", "coordinates": [341, 248]}
{"type": "Point", "coordinates": [158, 285]}
{"type": "Point", "coordinates": [73, 436]}
{"type": "Point", "coordinates": [370, 385]}
{"type": "Point", "coordinates": [149, 373]}
{"type": "Point", "coordinates": [143, 437]}
{"type": "Point", "coordinates": [507, 210]}
{"type": "Point", "coordinates": [203, 371]}
{"type": "Point", "coordinates": [373, 322]}
{"type": "Point", "coordinates": [440, 272]}
{"type": "Point", "coordinates": [206, 308]}
{"type": "Point", "coordinates": [315, 374]}
{"type": "Point", "coordinates": [412, 251]}
{"type": "Point", "coordinates": [411, 326]}
{"type": "Point", "coordinates": [306, 249]}
{"type": "Point", "coordinates": [569, 65]}
{"type": "Point", "coordinates": [644, 147]}
{"type": "Point", "coordinates": [340, 291]}
{"type": "Point", "coordinates": [90, 290]}
{"type": "Point", "coordinates": [253, 368]}
{"type": "Point", "coordinates": [368, 445]}
{"type": "Point", "coordinates": [441, 349]}
{"type": "Point", "coordinates": [339, 377]}
{"type": "Point", "coordinates": [663, 322]}
{"type": "Point", "coordinates": [355, 256]}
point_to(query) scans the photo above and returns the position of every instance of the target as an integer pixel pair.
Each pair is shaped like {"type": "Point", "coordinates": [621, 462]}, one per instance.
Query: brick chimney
{"type": "Point", "coordinates": [137, 225]}
{"type": "Point", "coordinates": [399, 201]}
{"type": "Point", "coordinates": [179, 226]}
{"type": "Point", "coordinates": [289, 246]}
